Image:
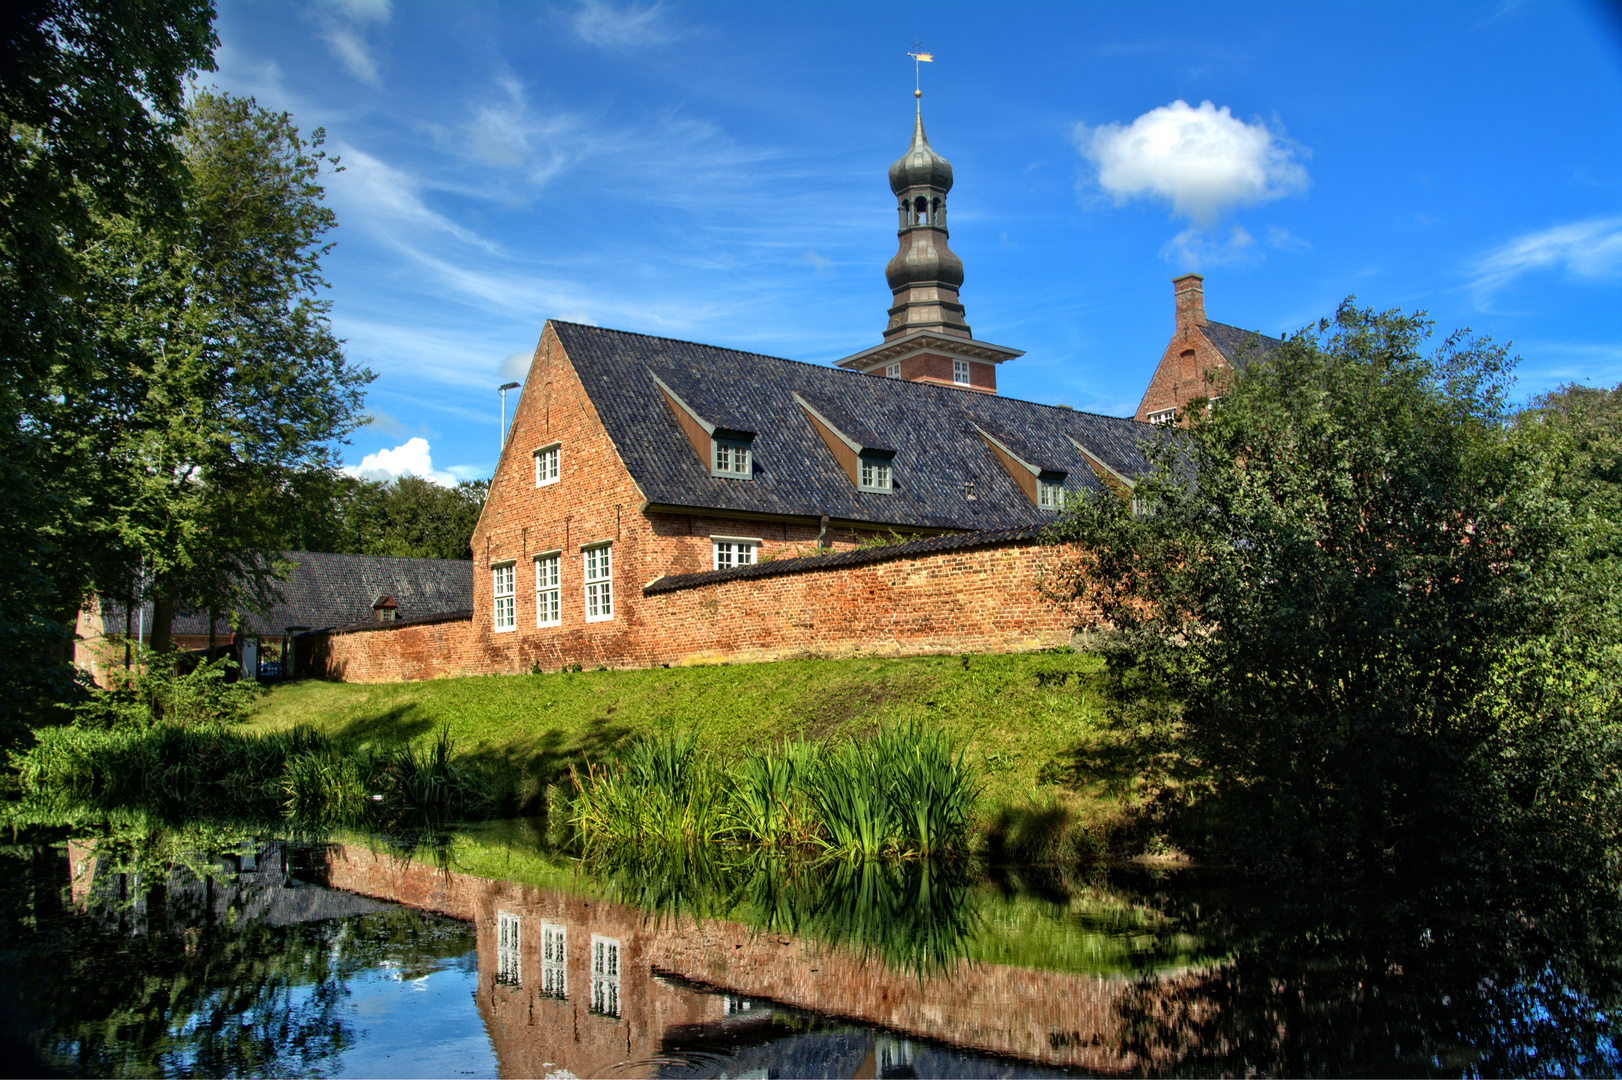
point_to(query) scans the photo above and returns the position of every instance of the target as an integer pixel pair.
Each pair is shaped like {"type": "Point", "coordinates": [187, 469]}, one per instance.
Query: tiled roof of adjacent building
{"type": "Point", "coordinates": [324, 590]}
{"type": "Point", "coordinates": [940, 460]}
{"type": "Point", "coordinates": [1237, 346]}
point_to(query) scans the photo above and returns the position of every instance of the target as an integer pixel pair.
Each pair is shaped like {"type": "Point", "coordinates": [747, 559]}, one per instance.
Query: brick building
{"type": "Point", "coordinates": [1198, 358]}
{"type": "Point", "coordinates": [666, 502]}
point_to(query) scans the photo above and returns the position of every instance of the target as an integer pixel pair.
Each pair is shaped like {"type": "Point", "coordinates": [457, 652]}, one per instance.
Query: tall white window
{"type": "Point", "coordinates": [1164, 416]}
{"type": "Point", "coordinates": [546, 465]}
{"type": "Point", "coordinates": [960, 372]}
{"type": "Point", "coordinates": [730, 553]}
{"type": "Point", "coordinates": [1049, 495]}
{"type": "Point", "coordinates": [508, 965]}
{"type": "Point", "coordinates": [731, 459]}
{"type": "Point", "coordinates": [506, 597]}
{"type": "Point", "coordinates": [605, 975]}
{"type": "Point", "coordinates": [554, 962]}
{"type": "Point", "coordinates": [548, 598]}
{"type": "Point", "coordinates": [874, 474]}
{"type": "Point", "coordinates": [893, 371]}
{"type": "Point", "coordinates": [599, 584]}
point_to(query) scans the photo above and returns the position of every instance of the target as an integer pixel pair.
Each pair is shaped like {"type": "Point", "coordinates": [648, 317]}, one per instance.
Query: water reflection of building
{"type": "Point", "coordinates": [572, 982]}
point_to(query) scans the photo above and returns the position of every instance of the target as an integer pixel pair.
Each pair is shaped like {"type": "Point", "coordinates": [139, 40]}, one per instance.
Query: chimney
{"type": "Point", "coordinates": [1190, 292]}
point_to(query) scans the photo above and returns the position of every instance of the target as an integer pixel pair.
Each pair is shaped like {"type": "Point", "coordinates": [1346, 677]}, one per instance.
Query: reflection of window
{"type": "Point", "coordinates": [508, 971]}
{"type": "Point", "coordinates": [546, 465]}
{"type": "Point", "coordinates": [548, 606]}
{"type": "Point", "coordinates": [599, 584]}
{"type": "Point", "coordinates": [554, 968]}
{"type": "Point", "coordinates": [875, 474]}
{"type": "Point", "coordinates": [1163, 416]}
{"type": "Point", "coordinates": [735, 1004]}
{"type": "Point", "coordinates": [506, 597]}
{"type": "Point", "coordinates": [605, 976]}
{"type": "Point", "coordinates": [960, 372]}
{"type": "Point", "coordinates": [731, 459]}
{"type": "Point", "coordinates": [730, 553]}
{"type": "Point", "coordinates": [1049, 495]}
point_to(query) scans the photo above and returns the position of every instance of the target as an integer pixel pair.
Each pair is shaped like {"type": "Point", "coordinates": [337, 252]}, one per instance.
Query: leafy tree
{"type": "Point", "coordinates": [409, 516]}
{"type": "Point", "coordinates": [229, 380]}
{"type": "Point", "coordinates": [91, 99]}
{"type": "Point", "coordinates": [1379, 613]}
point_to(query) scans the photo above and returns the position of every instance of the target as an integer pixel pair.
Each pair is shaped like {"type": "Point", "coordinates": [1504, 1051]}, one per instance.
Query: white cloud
{"type": "Point", "coordinates": [1194, 247]}
{"type": "Point", "coordinates": [1585, 249]}
{"type": "Point", "coordinates": [370, 188]}
{"type": "Point", "coordinates": [384, 422]}
{"type": "Point", "coordinates": [609, 27]}
{"type": "Point", "coordinates": [1201, 160]}
{"type": "Point", "coordinates": [411, 458]}
{"type": "Point", "coordinates": [516, 365]}
{"type": "Point", "coordinates": [344, 24]}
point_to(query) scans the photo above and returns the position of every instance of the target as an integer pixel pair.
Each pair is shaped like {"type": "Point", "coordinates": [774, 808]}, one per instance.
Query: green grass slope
{"type": "Point", "coordinates": [1029, 720]}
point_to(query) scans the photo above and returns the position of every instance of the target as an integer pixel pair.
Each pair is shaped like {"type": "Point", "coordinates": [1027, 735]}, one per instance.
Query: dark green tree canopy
{"type": "Point", "coordinates": [1357, 589]}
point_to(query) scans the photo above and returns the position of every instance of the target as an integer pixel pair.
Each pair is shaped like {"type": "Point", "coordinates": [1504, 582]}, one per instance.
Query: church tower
{"type": "Point", "coordinates": [927, 338]}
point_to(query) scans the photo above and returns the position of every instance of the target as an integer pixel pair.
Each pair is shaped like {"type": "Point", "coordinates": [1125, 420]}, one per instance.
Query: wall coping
{"type": "Point", "coordinates": [843, 559]}
{"type": "Point", "coordinates": [465, 615]}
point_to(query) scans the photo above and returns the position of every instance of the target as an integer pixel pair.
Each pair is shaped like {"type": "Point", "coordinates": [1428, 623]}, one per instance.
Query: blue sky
{"type": "Point", "coordinates": [716, 172]}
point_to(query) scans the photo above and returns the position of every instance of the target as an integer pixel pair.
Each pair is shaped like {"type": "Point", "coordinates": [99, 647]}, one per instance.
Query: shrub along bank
{"type": "Point", "coordinates": [1053, 781]}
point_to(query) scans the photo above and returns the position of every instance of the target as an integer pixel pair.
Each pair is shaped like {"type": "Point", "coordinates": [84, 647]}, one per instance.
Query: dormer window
{"type": "Point", "coordinates": [1050, 495]}
{"type": "Point", "coordinates": [732, 459]}
{"type": "Point", "coordinates": [875, 474]}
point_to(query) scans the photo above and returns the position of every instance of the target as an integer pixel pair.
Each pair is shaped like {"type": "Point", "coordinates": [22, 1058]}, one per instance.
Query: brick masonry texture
{"type": "Point", "coordinates": [1056, 1018]}
{"type": "Point", "coordinates": [922, 600]}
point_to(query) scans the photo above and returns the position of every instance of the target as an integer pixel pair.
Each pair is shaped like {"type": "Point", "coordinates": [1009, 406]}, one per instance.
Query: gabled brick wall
{"type": "Point", "coordinates": [1191, 367]}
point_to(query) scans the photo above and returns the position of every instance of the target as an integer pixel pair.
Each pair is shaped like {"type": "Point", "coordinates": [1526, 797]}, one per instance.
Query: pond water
{"type": "Point", "coordinates": [482, 952]}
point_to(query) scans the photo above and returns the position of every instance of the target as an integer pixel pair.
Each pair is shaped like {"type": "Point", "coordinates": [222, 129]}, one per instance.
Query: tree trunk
{"type": "Point", "coordinates": [163, 617]}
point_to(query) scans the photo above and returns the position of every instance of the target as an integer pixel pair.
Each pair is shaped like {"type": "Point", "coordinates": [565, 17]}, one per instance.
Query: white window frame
{"type": "Point", "coordinates": [731, 552]}
{"type": "Point", "coordinates": [605, 976]}
{"type": "Point", "coordinates": [893, 371]}
{"type": "Point", "coordinates": [960, 373]}
{"type": "Point", "coordinates": [504, 576]}
{"type": "Point", "coordinates": [548, 464]}
{"type": "Point", "coordinates": [509, 955]}
{"type": "Point", "coordinates": [598, 577]}
{"type": "Point", "coordinates": [554, 961]}
{"type": "Point", "coordinates": [1162, 416]}
{"type": "Point", "coordinates": [731, 459]}
{"type": "Point", "coordinates": [549, 588]}
{"type": "Point", "coordinates": [874, 474]}
{"type": "Point", "coordinates": [1050, 495]}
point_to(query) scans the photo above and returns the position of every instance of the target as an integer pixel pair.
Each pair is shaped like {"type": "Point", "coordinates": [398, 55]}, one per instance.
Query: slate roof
{"type": "Point", "coordinates": [938, 453]}
{"type": "Point", "coordinates": [325, 590]}
{"type": "Point", "coordinates": [1237, 346]}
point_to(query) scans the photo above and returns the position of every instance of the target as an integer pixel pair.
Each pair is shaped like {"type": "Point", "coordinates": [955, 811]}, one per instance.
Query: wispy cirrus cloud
{"type": "Point", "coordinates": [1588, 250]}
{"type": "Point", "coordinates": [631, 26]}
{"type": "Point", "coordinates": [344, 26]}
{"type": "Point", "coordinates": [375, 192]}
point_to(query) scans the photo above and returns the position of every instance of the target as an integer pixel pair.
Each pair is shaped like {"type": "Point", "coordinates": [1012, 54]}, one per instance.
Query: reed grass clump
{"type": "Point", "coordinates": [904, 792]}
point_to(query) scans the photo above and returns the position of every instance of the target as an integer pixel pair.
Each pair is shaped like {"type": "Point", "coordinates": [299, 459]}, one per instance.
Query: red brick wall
{"type": "Point", "coordinates": [936, 368]}
{"type": "Point", "coordinates": [977, 600]}
{"type": "Point", "coordinates": [1189, 359]}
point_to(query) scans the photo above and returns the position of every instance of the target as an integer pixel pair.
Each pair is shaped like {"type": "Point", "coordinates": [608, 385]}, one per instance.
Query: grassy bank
{"type": "Point", "coordinates": [1032, 725]}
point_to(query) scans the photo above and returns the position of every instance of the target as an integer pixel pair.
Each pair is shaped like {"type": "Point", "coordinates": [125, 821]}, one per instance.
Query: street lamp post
{"type": "Point", "coordinates": [502, 431]}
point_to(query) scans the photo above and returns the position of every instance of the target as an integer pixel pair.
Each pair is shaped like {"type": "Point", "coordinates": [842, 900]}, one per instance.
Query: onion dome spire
{"type": "Point", "coordinates": [924, 275]}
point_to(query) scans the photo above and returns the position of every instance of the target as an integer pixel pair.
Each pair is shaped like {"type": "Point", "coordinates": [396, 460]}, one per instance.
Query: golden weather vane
{"type": "Point", "coordinates": [919, 57]}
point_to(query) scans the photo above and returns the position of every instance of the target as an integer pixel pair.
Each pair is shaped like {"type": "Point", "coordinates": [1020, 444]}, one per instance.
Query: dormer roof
{"type": "Point", "coordinates": [938, 454]}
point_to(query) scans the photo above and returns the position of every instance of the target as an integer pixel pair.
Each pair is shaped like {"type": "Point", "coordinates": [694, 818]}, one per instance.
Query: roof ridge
{"type": "Point", "coordinates": [845, 371]}
{"type": "Point", "coordinates": [1242, 330]}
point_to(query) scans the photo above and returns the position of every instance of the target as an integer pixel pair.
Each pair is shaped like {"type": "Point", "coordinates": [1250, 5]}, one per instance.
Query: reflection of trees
{"type": "Point", "coordinates": [190, 994]}
{"type": "Point", "coordinates": [1448, 981]}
